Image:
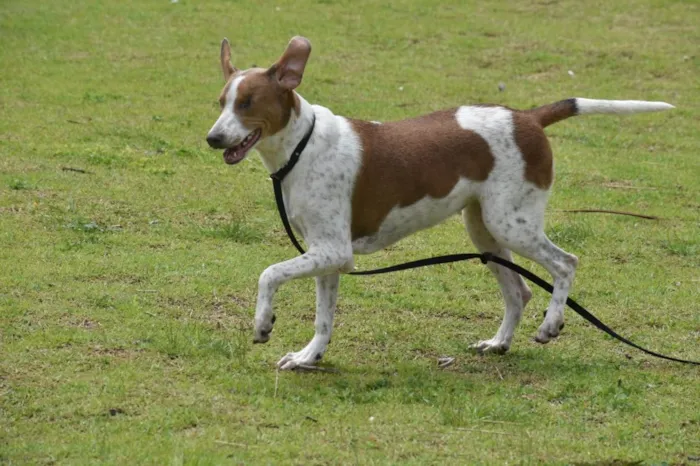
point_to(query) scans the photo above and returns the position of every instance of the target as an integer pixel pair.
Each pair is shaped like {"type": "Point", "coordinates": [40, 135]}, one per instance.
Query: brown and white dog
{"type": "Point", "coordinates": [361, 186]}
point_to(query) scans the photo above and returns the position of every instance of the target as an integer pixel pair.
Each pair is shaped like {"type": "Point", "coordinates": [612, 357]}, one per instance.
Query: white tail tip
{"type": "Point", "coordinates": [592, 106]}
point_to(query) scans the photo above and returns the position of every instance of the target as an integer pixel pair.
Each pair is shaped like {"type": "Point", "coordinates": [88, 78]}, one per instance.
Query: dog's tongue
{"type": "Point", "coordinates": [233, 155]}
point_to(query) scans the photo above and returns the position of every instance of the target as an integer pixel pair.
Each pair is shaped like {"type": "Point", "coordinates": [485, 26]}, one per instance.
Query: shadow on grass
{"type": "Point", "coordinates": [506, 389]}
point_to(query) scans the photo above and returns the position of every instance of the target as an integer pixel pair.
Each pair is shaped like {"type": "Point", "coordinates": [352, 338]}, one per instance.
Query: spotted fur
{"type": "Point", "coordinates": [361, 186]}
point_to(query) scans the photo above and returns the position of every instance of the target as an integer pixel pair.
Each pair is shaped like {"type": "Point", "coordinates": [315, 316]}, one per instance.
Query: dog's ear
{"type": "Point", "coordinates": [226, 65]}
{"type": "Point", "coordinates": [289, 69]}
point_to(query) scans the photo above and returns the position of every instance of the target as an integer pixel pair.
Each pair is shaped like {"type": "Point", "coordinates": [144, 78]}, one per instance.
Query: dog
{"type": "Point", "coordinates": [361, 186]}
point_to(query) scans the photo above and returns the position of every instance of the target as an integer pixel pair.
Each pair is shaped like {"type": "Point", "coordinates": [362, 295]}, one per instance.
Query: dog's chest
{"type": "Point", "coordinates": [318, 192]}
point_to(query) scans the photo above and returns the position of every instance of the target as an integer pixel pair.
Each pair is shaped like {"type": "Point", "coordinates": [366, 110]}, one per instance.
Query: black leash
{"type": "Point", "coordinates": [279, 176]}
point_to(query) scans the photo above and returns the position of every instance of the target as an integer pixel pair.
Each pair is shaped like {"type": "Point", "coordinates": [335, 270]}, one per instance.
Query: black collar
{"type": "Point", "coordinates": [280, 174]}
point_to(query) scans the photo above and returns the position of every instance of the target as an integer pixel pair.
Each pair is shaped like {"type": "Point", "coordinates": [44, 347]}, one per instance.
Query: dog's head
{"type": "Point", "coordinates": [257, 103]}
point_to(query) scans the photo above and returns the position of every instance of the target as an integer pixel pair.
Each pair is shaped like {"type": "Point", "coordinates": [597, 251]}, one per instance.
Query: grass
{"type": "Point", "coordinates": [127, 287]}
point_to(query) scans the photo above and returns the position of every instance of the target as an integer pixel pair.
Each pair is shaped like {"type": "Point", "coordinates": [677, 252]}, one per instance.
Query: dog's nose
{"type": "Point", "coordinates": [215, 140]}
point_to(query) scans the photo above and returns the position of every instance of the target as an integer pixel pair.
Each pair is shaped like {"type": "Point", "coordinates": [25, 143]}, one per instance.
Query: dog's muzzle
{"type": "Point", "coordinates": [216, 141]}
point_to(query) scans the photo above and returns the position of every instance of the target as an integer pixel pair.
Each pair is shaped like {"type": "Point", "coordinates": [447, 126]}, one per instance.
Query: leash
{"type": "Point", "coordinates": [486, 257]}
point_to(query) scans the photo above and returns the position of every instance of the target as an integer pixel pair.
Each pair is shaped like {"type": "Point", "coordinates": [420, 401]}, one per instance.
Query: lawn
{"type": "Point", "coordinates": [130, 253]}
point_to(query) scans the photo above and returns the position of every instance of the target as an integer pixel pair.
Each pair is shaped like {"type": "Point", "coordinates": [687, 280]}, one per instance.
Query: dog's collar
{"type": "Point", "coordinates": [280, 174]}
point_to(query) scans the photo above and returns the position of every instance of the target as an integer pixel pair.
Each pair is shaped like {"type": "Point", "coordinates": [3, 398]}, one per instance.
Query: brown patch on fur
{"type": "Point", "coordinates": [261, 102]}
{"type": "Point", "coordinates": [405, 161]}
{"type": "Point", "coordinates": [224, 92]}
{"type": "Point", "coordinates": [552, 113]}
{"type": "Point", "coordinates": [266, 97]}
{"type": "Point", "coordinates": [535, 148]}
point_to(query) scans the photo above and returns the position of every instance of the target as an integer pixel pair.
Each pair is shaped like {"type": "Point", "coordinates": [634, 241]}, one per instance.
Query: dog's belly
{"type": "Point", "coordinates": [427, 212]}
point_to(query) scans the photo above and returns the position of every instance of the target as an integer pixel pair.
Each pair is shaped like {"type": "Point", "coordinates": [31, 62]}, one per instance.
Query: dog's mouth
{"type": "Point", "coordinates": [235, 154]}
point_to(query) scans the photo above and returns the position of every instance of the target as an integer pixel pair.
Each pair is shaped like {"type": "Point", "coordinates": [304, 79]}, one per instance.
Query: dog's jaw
{"type": "Point", "coordinates": [237, 153]}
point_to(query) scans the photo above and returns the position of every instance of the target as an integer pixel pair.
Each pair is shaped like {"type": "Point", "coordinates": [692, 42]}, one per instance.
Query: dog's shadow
{"type": "Point", "coordinates": [526, 374]}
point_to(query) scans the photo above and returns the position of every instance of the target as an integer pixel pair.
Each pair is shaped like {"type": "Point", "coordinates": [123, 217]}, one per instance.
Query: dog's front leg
{"type": "Point", "coordinates": [326, 298]}
{"type": "Point", "coordinates": [317, 261]}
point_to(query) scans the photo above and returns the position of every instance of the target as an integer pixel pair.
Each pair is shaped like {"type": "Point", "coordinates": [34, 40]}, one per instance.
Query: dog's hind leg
{"type": "Point", "coordinates": [516, 220]}
{"type": "Point", "coordinates": [515, 292]}
{"type": "Point", "coordinates": [326, 298]}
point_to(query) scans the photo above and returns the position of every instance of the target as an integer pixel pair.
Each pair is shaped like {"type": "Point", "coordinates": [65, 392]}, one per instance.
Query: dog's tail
{"type": "Point", "coordinates": [552, 113]}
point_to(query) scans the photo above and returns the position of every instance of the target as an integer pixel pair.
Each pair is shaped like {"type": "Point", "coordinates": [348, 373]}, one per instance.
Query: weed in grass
{"type": "Point", "coordinates": [235, 231]}
{"type": "Point", "coordinates": [470, 413]}
{"type": "Point", "coordinates": [571, 236]}
{"type": "Point", "coordinates": [682, 248]}
{"type": "Point", "coordinates": [191, 340]}
{"type": "Point", "coordinates": [19, 185]}
{"type": "Point", "coordinates": [106, 157]}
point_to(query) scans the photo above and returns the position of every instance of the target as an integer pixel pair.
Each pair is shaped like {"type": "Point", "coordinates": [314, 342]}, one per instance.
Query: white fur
{"type": "Point", "coordinates": [228, 124]}
{"type": "Point", "coordinates": [591, 106]}
{"type": "Point", "coordinates": [504, 213]}
{"type": "Point", "coordinates": [511, 218]}
{"type": "Point", "coordinates": [318, 196]}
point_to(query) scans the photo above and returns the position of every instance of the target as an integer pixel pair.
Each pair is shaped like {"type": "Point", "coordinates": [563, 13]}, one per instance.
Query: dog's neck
{"type": "Point", "coordinates": [276, 150]}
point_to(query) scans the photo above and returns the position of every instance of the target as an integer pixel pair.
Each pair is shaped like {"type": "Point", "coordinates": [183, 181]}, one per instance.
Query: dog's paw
{"type": "Point", "coordinates": [263, 330]}
{"type": "Point", "coordinates": [549, 330]}
{"type": "Point", "coordinates": [491, 346]}
{"type": "Point", "coordinates": [305, 357]}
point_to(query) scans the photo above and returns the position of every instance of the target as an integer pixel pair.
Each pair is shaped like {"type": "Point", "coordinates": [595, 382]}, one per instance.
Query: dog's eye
{"type": "Point", "coordinates": [245, 103]}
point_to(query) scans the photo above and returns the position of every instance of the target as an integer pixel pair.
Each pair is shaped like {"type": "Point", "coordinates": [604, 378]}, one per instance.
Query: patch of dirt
{"type": "Point", "coordinates": [454, 315]}
{"type": "Point", "coordinates": [118, 352]}
{"type": "Point", "coordinates": [193, 430]}
{"type": "Point", "coordinates": [228, 312]}
{"type": "Point", "coordinates": [424, 353]}
{"type": "Point", "coordinates": [178, 302]}
{"type": "Point", "coordinates": [240, 301]}
{"type": "Point", "coordinates": [81, 322]}
{"type": "Point", "coordinates": [545, 74]}
{"type": "Point", "coordinates": [89, 324]}
{"type": "Point", "coordinates": [618, 258]}
{"type": "Point", "coordinates": [115, 411]}
{"type": "Point", "coordinates": [116, 278]}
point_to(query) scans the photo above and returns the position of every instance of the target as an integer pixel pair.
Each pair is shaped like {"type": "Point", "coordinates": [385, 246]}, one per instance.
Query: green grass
{"type": "Point", "coordinates": [127, 291]}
